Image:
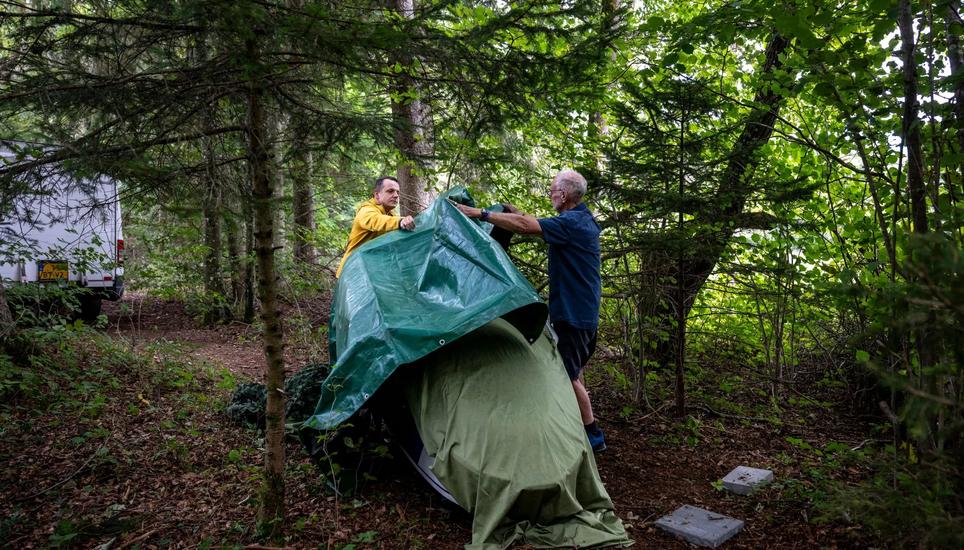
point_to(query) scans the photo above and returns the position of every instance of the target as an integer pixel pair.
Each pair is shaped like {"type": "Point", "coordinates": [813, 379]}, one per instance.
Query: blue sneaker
{"type": "Point", "coordinates": [597, 441]}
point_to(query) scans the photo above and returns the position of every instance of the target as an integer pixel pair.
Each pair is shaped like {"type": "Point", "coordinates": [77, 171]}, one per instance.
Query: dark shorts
{"type": "Point", "coordinates": [576, 346]}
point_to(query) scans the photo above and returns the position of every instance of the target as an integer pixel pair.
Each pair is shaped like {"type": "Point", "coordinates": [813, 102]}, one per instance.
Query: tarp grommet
{"type": "Point", "coordinates": [441, 342]}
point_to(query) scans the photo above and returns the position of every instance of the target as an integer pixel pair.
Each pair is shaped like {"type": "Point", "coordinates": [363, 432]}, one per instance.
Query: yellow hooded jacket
{"type": "Point", "coordinates": [371, 220]}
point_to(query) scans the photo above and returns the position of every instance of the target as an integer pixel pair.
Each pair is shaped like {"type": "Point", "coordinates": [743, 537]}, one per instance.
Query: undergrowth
{"type": "Point", "coordinates": [911, 505]}
{"type": "Point", "coordinates": [74, 393]}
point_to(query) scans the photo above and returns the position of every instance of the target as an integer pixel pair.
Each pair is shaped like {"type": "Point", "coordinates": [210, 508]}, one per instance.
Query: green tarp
{"type": "Point", "coordinates": [500, 419]}
{"type": "Point", "coordinates": [484, 383]}
{"type": "Point", "coordinates": [405, 294]}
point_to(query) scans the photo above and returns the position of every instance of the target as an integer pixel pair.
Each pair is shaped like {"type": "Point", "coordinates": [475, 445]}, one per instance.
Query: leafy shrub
{"type": "Point", "coordinates": [918, 494]}
{"type": "Point", "coordinates": [67, 365]}
{"type": "Point", "coordinates": [35, 305]}
{"type": "Point", "coordinates": [15, 380]}
{"type": "Point", "coordinates": [911, 506]}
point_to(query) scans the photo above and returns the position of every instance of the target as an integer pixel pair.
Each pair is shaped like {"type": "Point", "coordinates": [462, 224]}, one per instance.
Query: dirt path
{"type": "Point", "coordinates": [235, 346]}
{"type": "Point", "coordinates": [652, 467]}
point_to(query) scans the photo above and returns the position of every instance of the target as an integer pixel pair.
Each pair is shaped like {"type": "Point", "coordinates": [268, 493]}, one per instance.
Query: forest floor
{"type": "Point", "coordinates": [161, 466]}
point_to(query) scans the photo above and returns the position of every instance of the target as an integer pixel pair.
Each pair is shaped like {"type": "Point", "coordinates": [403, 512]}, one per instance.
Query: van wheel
{"type": "Point", "coordinates": [89, 307]}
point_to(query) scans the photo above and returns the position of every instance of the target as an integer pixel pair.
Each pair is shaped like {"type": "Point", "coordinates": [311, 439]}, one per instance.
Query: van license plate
{"type": "Point", "coordinates": [48, 271]}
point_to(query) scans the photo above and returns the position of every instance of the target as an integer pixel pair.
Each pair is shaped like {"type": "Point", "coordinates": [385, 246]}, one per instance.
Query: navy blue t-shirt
{"type": "Point", "coordinates": [574, 285]}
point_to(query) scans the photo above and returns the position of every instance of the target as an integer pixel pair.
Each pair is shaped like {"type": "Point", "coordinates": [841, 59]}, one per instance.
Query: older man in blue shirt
{"type": "Point", "coordinates": [574, 281]}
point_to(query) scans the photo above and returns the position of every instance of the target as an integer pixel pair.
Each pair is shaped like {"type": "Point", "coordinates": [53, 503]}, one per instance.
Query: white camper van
{"type": "Point", "coordinates": [62, 230]}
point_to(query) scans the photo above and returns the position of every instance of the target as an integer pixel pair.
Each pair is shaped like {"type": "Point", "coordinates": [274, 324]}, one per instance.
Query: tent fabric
{"type": "Point", "coordinates": [500, 419]}
{"type": "Point", "coordinates": [407, 293]}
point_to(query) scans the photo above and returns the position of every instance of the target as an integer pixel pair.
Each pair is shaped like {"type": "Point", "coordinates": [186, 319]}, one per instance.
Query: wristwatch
{"type": "Point", "coordinates": [484, 216]}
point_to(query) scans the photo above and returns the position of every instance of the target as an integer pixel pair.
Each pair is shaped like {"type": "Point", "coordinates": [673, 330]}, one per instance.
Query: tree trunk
{"type": "Point", "coordinates": [910, 122]}
{"type": "Point", "coordinates": [414, 130]}
{"type": "Point", "coordinates": [956, 57]}
{"type": "Point", "coordinates": [734, 188]}
{"type": "Point", "coordinates": [249, 271]}
{"type": "Point", "coordinates": [926, 343]}
{"type": "Point", "coordinates": [214, 243]}
{"type": "Point", "coordinates": [216, 309]}
{"type": "Point", "coordinates": [271, 513]}
{"type": "Point", "coordinates": [732, 193]}
{"type": "Point", "coordinates": [302, 201]}
{"type": "Point", "coordinates": [679, 350]}
{"type": "Point", "coordinates": [235, 260]}
{"type": "Point", "coordinates": [6, 317]}
{"type": "Point", "coordinates": [598, 127]}
{"type": "Point", "coordinates": [277, 129]}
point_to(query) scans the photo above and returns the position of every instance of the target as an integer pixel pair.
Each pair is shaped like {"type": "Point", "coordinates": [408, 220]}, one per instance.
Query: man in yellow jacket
{"type": "Point", "coordinates": [374, 217]}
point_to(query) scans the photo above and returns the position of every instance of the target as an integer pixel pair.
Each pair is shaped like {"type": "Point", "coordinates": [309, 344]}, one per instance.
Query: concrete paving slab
{"type": "Point", "coordinates": [700, 526]}
{"type": "Point", "coordinates": [743, 480]}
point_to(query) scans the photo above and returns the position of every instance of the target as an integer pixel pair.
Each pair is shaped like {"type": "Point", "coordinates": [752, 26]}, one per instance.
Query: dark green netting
{"type": "Point", "coordinates": [405, 294]}
{"type": "Point", "coordinates": [247, 404]}
{"type": "Point", "coordinates": [301, 390]}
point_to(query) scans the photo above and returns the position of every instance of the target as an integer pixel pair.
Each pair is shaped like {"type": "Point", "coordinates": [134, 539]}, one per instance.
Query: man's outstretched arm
{"type": "Point", "coordinates": [370, 219]}
{"type": "Point", "coordinates": [515, 222]}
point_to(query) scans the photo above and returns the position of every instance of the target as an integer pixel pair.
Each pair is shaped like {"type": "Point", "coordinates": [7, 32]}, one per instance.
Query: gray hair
{"type": "Point", "coordinates": [573, 183]}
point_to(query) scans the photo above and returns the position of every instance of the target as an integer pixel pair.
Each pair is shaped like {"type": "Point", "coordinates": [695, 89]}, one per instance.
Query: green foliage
{"type": "Point", "coordinates": [236, 457]}
{"type": "Point", "coordinates": [44, 306]}
{"type": "Point", "coordinates": [9, 523]}
{"type": "Point", "coordinates": [927, 476]}
{"type": "Point", "coordinates": [617, 375]}
{"type": "Point", "coordinates": [364, 538]}
{"type": "Point", "coordinates": [69, 362]}
{"type": "Point", "coordinates": [689, 429]}
{"type": "Point", "coordinates": [64, 534]}
{"type": "Point", "coordinates": [820, 469]}
{"type": "Point", "coordinates": [302, 281]}
{"type": "Point", "coordinates": [894, 494]}
{"type": "Point", "coordinates": [14, 380]}
{"type": "Point", "coordinates": [167, 256]}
